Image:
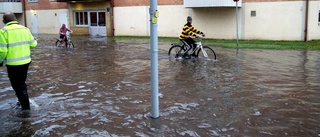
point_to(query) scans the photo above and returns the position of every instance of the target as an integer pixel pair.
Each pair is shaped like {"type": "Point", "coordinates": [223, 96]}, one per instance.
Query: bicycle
{"type": "Point", "coordinates": [177, 51]}
{"type": "Point", "coordinates": [68, 44]}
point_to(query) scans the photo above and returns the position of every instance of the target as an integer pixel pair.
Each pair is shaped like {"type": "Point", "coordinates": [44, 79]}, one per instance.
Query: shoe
{"type": "Point", "coordinates": [23, 114]}
{"type": "Point", "coordinates": [24, 100]}
{"type": "Point", "coordinates": [186, 56]}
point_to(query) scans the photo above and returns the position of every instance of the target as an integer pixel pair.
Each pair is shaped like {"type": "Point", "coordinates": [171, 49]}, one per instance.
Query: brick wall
{"type": "Point", "coordinates": [121, 3]}
{"type": "Point", "coordinates": [45, 5]}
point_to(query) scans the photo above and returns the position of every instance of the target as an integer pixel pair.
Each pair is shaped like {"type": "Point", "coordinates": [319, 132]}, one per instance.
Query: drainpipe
{"type": "Point", "coordinates": [24, 12]}
{"type": "Point", "coordinates": [306, 21]}
{"type": "Point", "coordinates": [112, 17]}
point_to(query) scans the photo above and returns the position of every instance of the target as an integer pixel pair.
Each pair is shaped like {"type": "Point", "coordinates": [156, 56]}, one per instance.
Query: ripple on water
{"type": "Point", "coordinates": [6, 89]}
{"type": "Point", "coordinates": [46, 131]}
{"type": "Point", "coordinates": [188, 133]}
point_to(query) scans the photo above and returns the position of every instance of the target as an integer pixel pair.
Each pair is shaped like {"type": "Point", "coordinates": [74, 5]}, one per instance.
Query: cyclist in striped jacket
{"type": "Point", "coordinates": [188, 31]}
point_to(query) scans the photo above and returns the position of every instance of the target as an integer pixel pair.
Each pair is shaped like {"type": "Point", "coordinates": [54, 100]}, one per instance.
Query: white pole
{"type": "Point", "coordinates": [154, 58]}
{"type": "Point", "coordinates": [237, 22]}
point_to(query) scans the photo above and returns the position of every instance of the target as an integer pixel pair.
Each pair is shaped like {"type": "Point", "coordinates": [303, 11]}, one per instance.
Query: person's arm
{"type": "Point", "coordinates": [34, 42]}
{"type": "Point", "coordinates": [69, 30]}
{"type": "Point", "coordinates": [3, 46]}
{"type": "Point", "coordinates": [196, 30]}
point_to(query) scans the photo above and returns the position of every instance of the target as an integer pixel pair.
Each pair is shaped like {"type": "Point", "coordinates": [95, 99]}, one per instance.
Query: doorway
{"type": "Point", "coordinates": [34, 24]}
{"type": "Point", "coordinates": [63, 19]}
{"type": "Point", "coordinates": [98, 23]}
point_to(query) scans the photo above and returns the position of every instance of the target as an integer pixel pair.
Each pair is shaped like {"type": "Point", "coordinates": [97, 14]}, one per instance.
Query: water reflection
{"type": "Point", "coordinates": [102, 88]}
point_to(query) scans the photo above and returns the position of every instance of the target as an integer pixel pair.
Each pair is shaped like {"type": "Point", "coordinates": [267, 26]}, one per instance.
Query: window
{"type": "Point", "coordinates": [319, 17]}
{"type": "Point", "coordinates": [101, 19]}
{"type": "Point", "coordinates": [253, 13]}
{"type": "Point", "coordinates": [93, 19]}
{"type": "Point", "coordinates": [32, 0]}
{"type": "Point", "coordinates": [80, 18]}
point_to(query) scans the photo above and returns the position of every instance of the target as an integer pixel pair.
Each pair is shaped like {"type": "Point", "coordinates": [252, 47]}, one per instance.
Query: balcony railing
{"type": "Point", "coordinates": [210, 3]}
{"type": "Point", "coordinates": [14, 6]}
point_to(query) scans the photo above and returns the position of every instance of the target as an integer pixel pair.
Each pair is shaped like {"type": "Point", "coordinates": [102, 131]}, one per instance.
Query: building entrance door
{"type": "Point", "coordinates": [63, 19]}
{"type": "Point", "coordinates": [98, 23]}
{"type": "Point", "coordinates": [34, 24]}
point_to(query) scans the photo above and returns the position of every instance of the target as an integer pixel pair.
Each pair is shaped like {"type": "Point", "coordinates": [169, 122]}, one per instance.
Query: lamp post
{"type": "Point", "coordinates": [237, 13]}
{"type": "Point", "coordinates": [154, 58]}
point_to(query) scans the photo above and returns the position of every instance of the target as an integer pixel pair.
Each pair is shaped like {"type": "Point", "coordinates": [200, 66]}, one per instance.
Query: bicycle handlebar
{"type": "Point", "coordinates": [199, 37]}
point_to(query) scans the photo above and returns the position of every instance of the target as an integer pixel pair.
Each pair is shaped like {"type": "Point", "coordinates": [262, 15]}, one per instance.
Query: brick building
{"type": "Point", "coordinates": [258, 19]}
{"type": "Point", "coordinates": [92, 17]}
{"type": "Point", "coordinates": [41, 16]}
{"type": "Point", "coordinates": [45, 16]}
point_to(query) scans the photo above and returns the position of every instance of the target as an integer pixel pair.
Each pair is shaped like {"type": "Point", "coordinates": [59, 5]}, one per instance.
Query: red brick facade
{"type": "Point", "coordinates": [45, 5]}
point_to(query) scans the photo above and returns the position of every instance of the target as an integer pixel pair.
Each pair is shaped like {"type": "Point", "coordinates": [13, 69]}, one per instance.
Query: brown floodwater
{"type": "Point", "coordinates": [102, 88]}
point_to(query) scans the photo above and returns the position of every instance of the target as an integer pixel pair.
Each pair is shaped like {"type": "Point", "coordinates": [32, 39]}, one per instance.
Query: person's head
{"type": "Point", "coordinates": [63, 26]}
{"type": "Point", "coordinates": [8, 17]}
{"type": "Point", "coordinates": [189, 19]}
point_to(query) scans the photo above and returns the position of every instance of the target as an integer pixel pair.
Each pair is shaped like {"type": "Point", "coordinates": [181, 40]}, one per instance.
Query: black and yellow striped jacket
{"type": "Point", "coordinates": [189, 31]}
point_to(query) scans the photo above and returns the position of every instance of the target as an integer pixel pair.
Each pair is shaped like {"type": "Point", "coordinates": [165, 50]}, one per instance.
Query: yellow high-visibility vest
{"type": "Point", "coordinates": [15, 43]}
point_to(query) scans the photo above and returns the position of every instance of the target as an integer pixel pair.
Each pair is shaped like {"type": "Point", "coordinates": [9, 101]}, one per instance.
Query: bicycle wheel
{"type": "Point", "coordinates": [175, 51]}
{"type": "Point", "coordinates": [206, 53]}
{"type": "Point", "coordinates": [70, 44]}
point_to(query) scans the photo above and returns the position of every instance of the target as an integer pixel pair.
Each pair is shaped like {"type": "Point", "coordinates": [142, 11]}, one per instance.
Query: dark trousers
{"type": "Point", "coordinates": [65, 39]}
{"type": "Point", "coordinates": [18, 76]}
{"type": "Point", "coordinates": [62, 37]}
{"type": "Point", "coordinates": [190, 42]}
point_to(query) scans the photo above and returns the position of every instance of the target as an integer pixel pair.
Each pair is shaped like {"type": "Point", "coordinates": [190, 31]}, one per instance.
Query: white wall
{"type": "Point", "coordinates": [131, 21]}
{"type": "Point", "coordinates": [134, 21]}
{"type": "Point", "coordinates": [314, 26]}
{"type": "Point", "coordinates": [217, 23]}
{"type": "Point", "coordinates": [273, 21]}
{"type": "Point", "coordinates": [48, 20]}
{"type": "Point", "coordinates": [171, 20]}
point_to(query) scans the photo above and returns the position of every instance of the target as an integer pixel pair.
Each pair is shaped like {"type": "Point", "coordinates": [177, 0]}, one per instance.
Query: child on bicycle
{"type": "Point", "coordinates": [188, 31]}
{"type": "Point", "coordinates": [63, 31]}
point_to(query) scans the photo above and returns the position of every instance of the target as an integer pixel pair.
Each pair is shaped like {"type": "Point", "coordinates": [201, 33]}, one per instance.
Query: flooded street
{"type": "Point", "coordinates": [102, 88]}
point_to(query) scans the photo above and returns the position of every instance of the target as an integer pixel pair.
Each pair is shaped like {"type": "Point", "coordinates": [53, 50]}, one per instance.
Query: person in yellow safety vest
{"type": "Point", "coordinates": [15, 43]}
